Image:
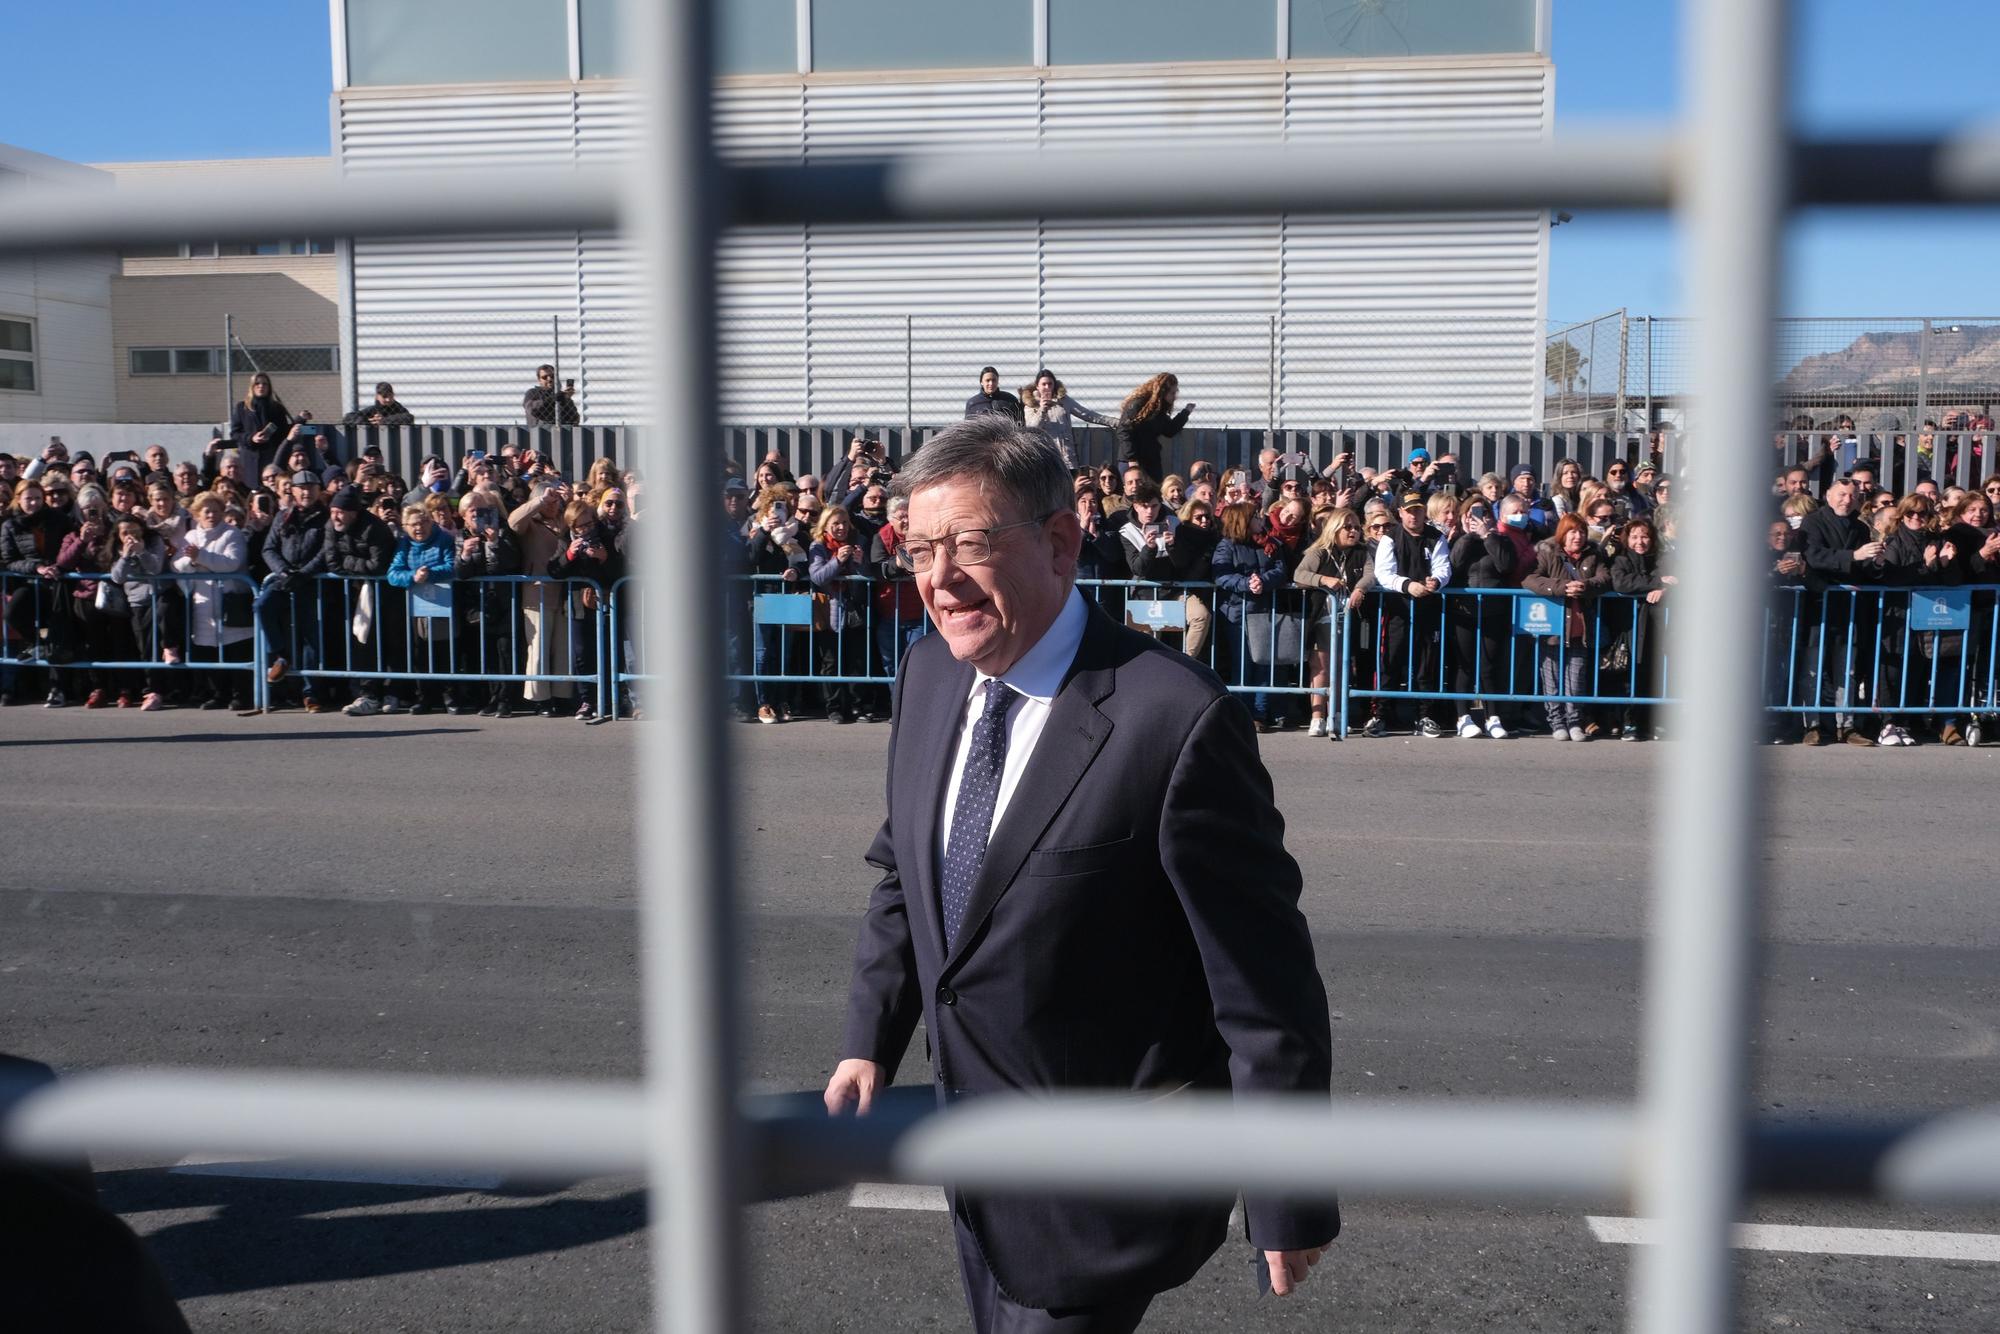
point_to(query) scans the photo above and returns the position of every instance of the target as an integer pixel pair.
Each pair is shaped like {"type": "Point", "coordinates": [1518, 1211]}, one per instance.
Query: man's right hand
{"type": "Point", "coordinates": [1869, 551]}
{"type": "Point", "coordinates": [854, 1082]}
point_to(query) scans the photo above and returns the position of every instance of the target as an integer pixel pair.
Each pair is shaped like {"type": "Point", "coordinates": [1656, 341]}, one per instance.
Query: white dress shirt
{"type": "Point", "coordinates": [1036, 677]}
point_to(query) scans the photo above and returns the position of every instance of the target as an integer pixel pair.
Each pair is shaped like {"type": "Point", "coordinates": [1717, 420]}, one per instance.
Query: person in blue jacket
{"type": "Point", "coordinates": [425, 557]}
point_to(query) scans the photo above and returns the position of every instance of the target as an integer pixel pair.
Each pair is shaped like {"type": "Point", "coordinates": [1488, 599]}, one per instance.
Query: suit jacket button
{"type": "Point", "coordinates": [946, 996]}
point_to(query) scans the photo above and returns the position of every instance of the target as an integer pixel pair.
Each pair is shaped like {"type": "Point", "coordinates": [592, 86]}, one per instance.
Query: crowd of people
{"type": "Point", "coordinates": [1286, 575]}
{"type": "Point", "coordinates": [89, 551]}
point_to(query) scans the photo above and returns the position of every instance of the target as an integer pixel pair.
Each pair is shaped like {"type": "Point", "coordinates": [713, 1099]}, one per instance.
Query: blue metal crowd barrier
{"type": "Point", "coordinates": [1861, 651]}
{"type": "Point", "coordinates": [348, 627]}
{"type": "Point", "coordinates": [1508, 646]}
{"type": "Point", "coordinates": [48, 627]}
{"type": "Point", "coordinates": [1847, 651]}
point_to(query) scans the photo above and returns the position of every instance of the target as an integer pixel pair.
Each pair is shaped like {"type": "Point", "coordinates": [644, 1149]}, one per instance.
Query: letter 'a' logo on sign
{"type": "Point", "coordinates": [1538, 613]}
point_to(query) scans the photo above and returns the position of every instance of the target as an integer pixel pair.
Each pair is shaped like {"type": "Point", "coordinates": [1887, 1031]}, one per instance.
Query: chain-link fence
{"type": "Point", "coordinates": [1624, 372]}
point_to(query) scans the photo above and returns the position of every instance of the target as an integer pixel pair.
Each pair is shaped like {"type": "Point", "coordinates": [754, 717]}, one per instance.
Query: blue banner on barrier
{"type": "Point", "coordinates": [1163, 614]}
{"type": "Point", "coordinates": [784, 609]}
{"type": "Point", "coordinates": [1538, 616]}
{"type": "Point", "coordinates": [430, 601]}
{"type": "Point", "coordinates": [1941, 609]}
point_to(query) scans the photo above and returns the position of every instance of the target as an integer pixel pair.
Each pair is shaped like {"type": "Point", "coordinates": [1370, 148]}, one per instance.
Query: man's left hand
{"type": "Point", "coordinates": [1289, 1268]}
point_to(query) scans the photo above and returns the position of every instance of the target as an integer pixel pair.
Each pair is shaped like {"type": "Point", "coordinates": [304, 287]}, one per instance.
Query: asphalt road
{"type": "Point", "coordinates": [454, 895]}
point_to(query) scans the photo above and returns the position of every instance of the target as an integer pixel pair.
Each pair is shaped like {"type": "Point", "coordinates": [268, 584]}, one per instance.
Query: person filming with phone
{"type": "Point", "coordinates": [545, 405]}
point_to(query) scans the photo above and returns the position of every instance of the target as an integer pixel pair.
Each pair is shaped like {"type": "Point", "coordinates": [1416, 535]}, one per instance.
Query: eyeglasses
{"type": "Point", "coordinates": [971, 546]}
{"type": "Point", "coordinates": [1378, 526]}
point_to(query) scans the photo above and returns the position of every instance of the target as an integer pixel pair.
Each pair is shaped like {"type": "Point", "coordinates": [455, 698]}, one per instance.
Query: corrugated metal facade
{"type": "Point", "coordinates": [1296, 322]}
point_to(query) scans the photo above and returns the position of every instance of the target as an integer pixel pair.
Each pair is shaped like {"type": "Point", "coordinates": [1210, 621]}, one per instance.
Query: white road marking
{"type": "Point", "coordinates": [1904, 1245]}
{"type": "Point", "coordinates": [291, 1169]}
{"type": "Point", "coordinates": [873, 1195]}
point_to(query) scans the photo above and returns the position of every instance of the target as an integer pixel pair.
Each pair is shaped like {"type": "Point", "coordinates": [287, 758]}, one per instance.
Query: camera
{"type": "Point", "coordinates": [880, 477]}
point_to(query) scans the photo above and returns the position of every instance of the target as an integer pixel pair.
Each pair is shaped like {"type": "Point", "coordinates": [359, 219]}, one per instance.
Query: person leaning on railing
{"type": "Point", "coordinates": [539, 525]}
{"type": "Point", "coordinates": [485, 614]}
{"type": "Point", "coordinates": [1969, 526]}
{"type": "Point", "coordinates": [838, 567]}
{"type": "Point", "coordinates": [1193, 555]}
{"type": "Point", "coordinates": [1640, 625]}
{"type": "Point", "coordinates": [1839, 550]}
{"type": "Point", "coordinates": [594, 556]}
{"type": "Point", "coordinates": [100, 621]}
{"type": "Point", "coordinates": [899, 607]}
{"type": "Point", "coordinates": [359, 547]}
{"type": "Point", "coordinates": [1247, 576]}
{"type": "Point", "coordinates": [1337, 571]}
{"type": "Point", "coordinates": [138, 555]}
{"type": "Point", "coordinates": [778, 553]}
{"type": "Point", "coordinates": [31, 537]}
{"type": "Point", "coordinates": [220, 615]}
{"type": "Point", "coordinates": [425, 558]}
{"type": "Point", "coordinates": [1571, 571]}
{"type": "Point", "coordinates": [1482, 557]}
{"type": "Point", "coordinates": [1917, 555]}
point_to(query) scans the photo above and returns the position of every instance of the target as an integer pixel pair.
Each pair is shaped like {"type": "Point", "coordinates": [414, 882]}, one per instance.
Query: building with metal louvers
{"type": "Point", "coordinates": [1298, 322]}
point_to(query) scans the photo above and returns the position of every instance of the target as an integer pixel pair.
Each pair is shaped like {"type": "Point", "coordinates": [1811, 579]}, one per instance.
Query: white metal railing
{"type": "Point", "coordinates": [1688, 1150]}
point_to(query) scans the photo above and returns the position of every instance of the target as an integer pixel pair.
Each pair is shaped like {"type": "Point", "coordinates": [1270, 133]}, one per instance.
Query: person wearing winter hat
{"type": "Point", "coordinates": [1521, 481]}
{"type": "Point", "coordinates": [359, 547]}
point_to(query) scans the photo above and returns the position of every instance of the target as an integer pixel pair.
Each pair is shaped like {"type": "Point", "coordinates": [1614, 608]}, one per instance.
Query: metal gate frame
{"type": "Point", "coordinates": [1688, 1152]}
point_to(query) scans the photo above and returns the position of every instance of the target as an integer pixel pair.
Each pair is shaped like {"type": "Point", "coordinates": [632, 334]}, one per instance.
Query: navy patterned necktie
{"type": "Point", "coordinates": [972, 817]}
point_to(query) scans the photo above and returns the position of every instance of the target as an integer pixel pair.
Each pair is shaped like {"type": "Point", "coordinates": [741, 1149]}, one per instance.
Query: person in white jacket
{"type": "Point", "coordinates": [219, 615]}
{"type": "Point", "coordinates": [1047, 407]}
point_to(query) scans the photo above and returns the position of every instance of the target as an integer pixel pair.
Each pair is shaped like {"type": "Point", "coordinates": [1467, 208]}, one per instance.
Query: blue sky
{"type": "Point", "coordinates": [251, 78]}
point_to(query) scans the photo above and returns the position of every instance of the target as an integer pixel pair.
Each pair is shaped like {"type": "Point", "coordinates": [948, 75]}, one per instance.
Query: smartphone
{"type": "Point", "coordinates": [473, 456]}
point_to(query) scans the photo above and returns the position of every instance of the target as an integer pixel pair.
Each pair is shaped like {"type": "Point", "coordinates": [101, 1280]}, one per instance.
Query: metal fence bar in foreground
{"type": "Point", "coordinates": [1700, 982]}
{"type": "Point", "coordinates": [1699, 994]}
{"type": "Point", "coordinates": [695, 1166]}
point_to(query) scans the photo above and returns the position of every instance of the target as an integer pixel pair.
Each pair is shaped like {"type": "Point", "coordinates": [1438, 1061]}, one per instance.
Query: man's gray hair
{"type": "Point", "coordinates": [1012, 465]}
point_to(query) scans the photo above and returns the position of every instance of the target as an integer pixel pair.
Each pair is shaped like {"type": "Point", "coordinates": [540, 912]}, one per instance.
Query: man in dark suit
{"type": "Point", "coordinates": [1084, 887]}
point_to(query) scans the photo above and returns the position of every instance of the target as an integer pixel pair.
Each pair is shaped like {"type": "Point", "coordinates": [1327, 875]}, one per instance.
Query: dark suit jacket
{"type": "Point", "coordinates": [1134, 927]}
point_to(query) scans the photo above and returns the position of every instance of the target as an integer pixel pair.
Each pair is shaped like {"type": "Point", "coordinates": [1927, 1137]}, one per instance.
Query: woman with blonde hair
{"type": "Point", "coordinates": [1147, 419]}
{"type": "Point", "coordinates": [261, 423]}
{"type": "Point", "coordinates": [1338, 568]}
{"type": "Point", "coordinates": [220, 614]}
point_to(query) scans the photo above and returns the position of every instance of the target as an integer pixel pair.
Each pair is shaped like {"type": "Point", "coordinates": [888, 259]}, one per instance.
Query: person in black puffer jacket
{"type": "Point", "coordinates": [359, 547]}
{"type": "Point", "coordinates": [1636, 573]}
{"type": "Point", "coordinates": [1192, 552]}
{"type": "Point", "coordinates": [1479, 624]}
{"type": "Point", "coordinates": [31, 539]}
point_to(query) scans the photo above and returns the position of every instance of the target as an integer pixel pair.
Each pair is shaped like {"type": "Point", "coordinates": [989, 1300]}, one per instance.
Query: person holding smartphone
{"type": "Point", "coordinates": [545, 405]}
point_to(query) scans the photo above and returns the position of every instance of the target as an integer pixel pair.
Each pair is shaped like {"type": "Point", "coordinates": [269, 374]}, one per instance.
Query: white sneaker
{"type": "Point", "coordinates": [364, 707]}
{"type": "Point", "coordinates": [1973, 736]}
{"type": "Point", "coordinates": [1561, 733]}
{"type": "Point", "coordinates": [1903, 737]}
{"type": "Point", "coordinates": [1888, 737]}
{"type": "Point", "coordinates": [390, 704]}
{"type": "Point", "coordinates": [1578, 734]}
{"type": "Point", "coordinates": [1317, 727]}
{"type": "Point", "coordinates": [1466, 727]}
{"type": "Point", "coordinates": [1494, 728]}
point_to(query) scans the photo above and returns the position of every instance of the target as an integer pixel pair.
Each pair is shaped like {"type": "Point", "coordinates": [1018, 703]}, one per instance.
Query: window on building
{"type": "Point", "coordinates": [1332, 29]}
{"type": "Point", "coordinates": [306, 360]}
{"type": "Point", "coordinates": [921, 34]}
{"type": "Point", "coordinates": [1102, 32]}
{"type": "Point", "coordinates": [456, 41]}
{"type": "Point", "coordinates": [286, 360]}
{"type": "Point", "coordinates": [17, 355]}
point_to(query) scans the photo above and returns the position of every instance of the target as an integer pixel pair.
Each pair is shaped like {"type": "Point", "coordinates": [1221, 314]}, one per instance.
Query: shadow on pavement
{"type": "Point", "coordinates": [263, 1237]}
{"type": "Point", "coordinates": [245, 735]}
